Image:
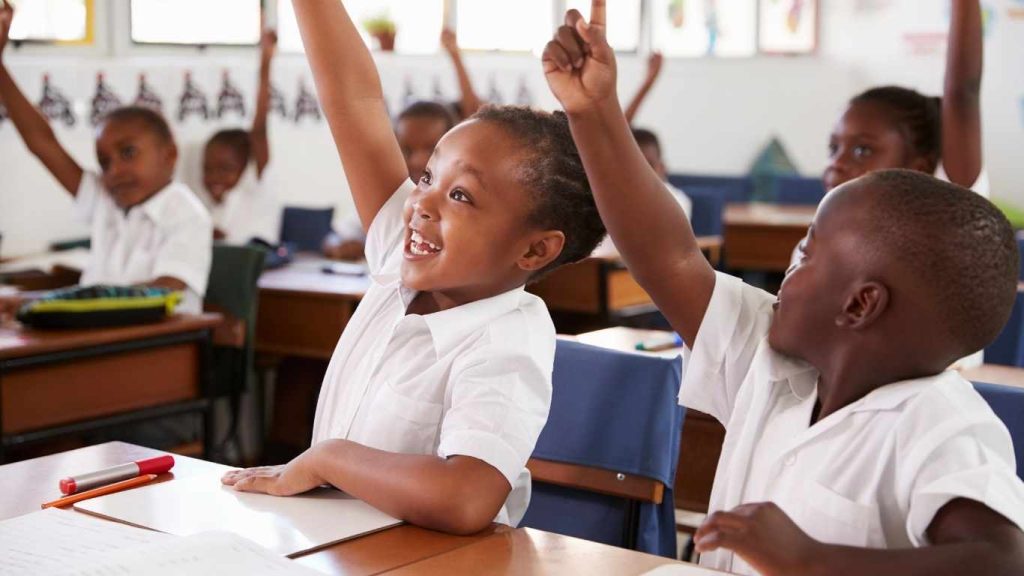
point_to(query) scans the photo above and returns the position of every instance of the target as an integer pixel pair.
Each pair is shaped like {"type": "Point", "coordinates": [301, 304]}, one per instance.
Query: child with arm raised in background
{"type": "Point", "coordinates": [849, 449]}
{"type": "Point", "coordinates": [145, 228]}
{"type": "Point", "coordinates": [234, 170]}
{"type": "Point", "coordinates": [441, 382]}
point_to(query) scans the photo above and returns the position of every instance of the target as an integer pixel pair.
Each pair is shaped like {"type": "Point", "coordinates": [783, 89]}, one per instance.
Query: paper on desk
{"type": "Point", "coordinates": [50, 540]}
{"type": "Point", "coordinates": [287, 525]}
{"type": "Point", "coordinates": [205, 554]}
{"type": "Point", "coordinates": [76, 258]}
{"type": "Point", "coordinates": [682, 569]}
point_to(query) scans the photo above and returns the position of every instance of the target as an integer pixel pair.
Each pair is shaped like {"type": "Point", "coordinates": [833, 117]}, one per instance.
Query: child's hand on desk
{"type": "Point", "coordinates": [292, 478]}
{"type": "Point", "coordinates": [9, 307]}
{"type": "Point", "coordinates": [763, 535]}
{"type": "Point", "coordinates": [578, 63]}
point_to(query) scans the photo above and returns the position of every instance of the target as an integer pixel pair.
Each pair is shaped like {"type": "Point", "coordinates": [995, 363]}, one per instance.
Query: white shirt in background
{"type": "Point", "coordinates": [474, 380]}
{"type": "Point", "coordinates": [167, 235]}
{"type": "Point", "coordinates": [872, 474]}
{"type": "Point", "coordinates": [249, 210]}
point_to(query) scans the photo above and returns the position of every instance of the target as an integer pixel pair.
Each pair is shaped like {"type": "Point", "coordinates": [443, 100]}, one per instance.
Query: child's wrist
{"type": "Point", "coordinates": [596, 110]}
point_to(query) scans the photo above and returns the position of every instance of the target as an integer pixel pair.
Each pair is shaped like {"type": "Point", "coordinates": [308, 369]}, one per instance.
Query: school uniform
{"type": "Point", "coordinates": [872, 474]}
{"type": "Point", "coordinates": [249, 210]}
{"type": "Point", "coordinates": [474, 380]}
{"type": "Point", "coordinates": [167, 235]}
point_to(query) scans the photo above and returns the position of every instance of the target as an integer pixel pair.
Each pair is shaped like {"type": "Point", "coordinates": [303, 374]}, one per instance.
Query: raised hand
{"type": "Point", "coordinates": [449, 41]}
{"type": "Point", "coordinates": [653, 67]}
{"type": "Point", "coordinates": [6, 17]}
{"type": "Point", "coordinates": [578, 62]}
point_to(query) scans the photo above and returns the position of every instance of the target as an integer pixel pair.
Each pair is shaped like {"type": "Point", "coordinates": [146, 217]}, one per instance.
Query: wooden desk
{"type": "Point", "coordinates": [701, 443]}
{"type": "Point", "coordinates": [400, 550]}
{"type": "Point", "coordinates": [763, 236]}
{"type": "Point", "coordinates": [303, 310]}
{"type": "Point", "coordinates": [60, 382]}
{"type": "Point", "coordinates": [995, 374]}
{"type": "Point", "coordinates": [529, 551]}
{"type": "Point", "coordinates": [601, 285]}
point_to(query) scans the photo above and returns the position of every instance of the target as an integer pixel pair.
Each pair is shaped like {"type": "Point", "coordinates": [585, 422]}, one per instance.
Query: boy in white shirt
{"type": "Point", "coordinates": [848, 449]}
{"type": "Point", "coordinates": [146, 229]}
{"type": "Point", "coordinates": [441, 382]}
{"type": "Point", "coordinates": [235, 170]}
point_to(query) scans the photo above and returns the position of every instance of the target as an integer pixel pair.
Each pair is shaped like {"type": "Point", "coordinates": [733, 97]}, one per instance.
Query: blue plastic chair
{"type": "Point", "coordinates": [1008, 347]}
{"type": "Point", "coordinates": [1008, 404]}
{"type": "Point", "coordinates": [797, 190]}
{"type": "Point", "coordinates": [708, 205]}
{"type": "Point", "coordinates": [605, 463]}
{"type": "Point", "coordinates": [306, 228]}
{"type": "Point", "coordinates": [732, 188]}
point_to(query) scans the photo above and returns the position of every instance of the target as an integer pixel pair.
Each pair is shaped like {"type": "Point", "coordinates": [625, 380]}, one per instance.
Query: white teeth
{"type": "Point", "coordinates": [417, 240]}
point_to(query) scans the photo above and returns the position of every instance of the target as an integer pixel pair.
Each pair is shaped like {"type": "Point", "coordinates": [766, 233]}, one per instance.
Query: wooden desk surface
{"type": "Point", "coordinates": [995, 374]}
{"type": "Point", "coordinates": [762, 214]}
{"type": "Point", "coordinates": [625, 339]}
{"type": "Point", "coordinates": [18, 342]}
{"type": "Point", "coordinates": [29, 483]}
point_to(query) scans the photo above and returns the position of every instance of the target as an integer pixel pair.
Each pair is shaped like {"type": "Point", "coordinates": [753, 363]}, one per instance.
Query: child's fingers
{"type": "Point", "coordinates": [572, 44]}
{"type": "Point", "coordinates": [556, 58]}
{"type": "Point", "coordinates": [598, 15]}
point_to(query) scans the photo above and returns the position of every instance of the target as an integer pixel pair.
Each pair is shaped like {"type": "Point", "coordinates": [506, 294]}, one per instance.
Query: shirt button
{"type": "Point", "coordinates": [790, 460]}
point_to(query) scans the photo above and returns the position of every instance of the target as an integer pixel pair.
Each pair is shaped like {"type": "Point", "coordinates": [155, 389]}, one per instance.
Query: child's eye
{"type": "Point", "coordinates": [832, 149]}
{"type": "Point", "coordinates": [128, 153]}
{"type": "Point", "coordinates": [861, 151]}
{"type": "Point", "coordinates": [459, 196]}
{"type": "Point", "coordinates": [425, 177]}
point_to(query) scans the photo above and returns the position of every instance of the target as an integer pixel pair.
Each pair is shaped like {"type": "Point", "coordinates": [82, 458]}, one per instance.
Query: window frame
{"type": "Point", "coordinates": [95, 43]}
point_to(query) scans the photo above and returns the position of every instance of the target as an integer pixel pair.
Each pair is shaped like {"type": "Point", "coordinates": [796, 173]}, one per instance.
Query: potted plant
{"type": "Point", "coordinates": [382, 28]}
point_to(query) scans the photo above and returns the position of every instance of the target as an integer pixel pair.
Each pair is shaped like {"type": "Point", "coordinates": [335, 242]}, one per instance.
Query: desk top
{"type": "Point", "coordinates": [624, 339]}
{"type": "Point", "coordinates": [995, 374]}
{"type": "Point", "coordinates": [761, 214]}
{"type": "Point", "coordinates": [306, 276]}
{"type": "Point", "coordinates": [607, 252]}
{"type": "Point", "coordinates": [17, 341]}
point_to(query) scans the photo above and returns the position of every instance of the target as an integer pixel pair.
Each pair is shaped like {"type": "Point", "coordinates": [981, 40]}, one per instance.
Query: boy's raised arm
{"type": "Point", "coordinates": [961, 98]}
{"type": "Point", "coordinates": [468, 99]}
{"type": "Point", "coordinates": [33, 127]}
{"type": "Point", "coordinates": [258, 134]}
{"type": "Point", "coordinates": [353, 101]}
{"type": "Point", "coordinates": [649, 228]}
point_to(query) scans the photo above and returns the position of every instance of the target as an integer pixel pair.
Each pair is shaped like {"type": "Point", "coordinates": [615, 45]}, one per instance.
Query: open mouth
{"type": "Point", "coordinates": [419, 247]}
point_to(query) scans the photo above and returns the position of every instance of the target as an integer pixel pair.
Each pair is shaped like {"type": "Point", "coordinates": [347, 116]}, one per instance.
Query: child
{"type": "Point", "coordinates": [234, 170]}
{"type": "Point", "coordinates": [418, 130]}
{"type": "Point", "coordinates": [848, 449]}
{"type": "Point", "coordinates": [469, 102]}
{"type": "Point", "coordinates": [146, 228]}
{"type": "Point", "coordinates": [893, 127]}
{"type": "Point", "coordinates": [441, 382]}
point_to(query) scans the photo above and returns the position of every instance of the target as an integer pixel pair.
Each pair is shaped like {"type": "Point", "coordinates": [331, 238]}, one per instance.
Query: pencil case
{"type": "Point", "coordinates": [99, 306]}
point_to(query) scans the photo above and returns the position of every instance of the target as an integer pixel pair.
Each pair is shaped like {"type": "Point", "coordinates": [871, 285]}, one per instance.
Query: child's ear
{"type": "Point", "coordinates": [864, 306]}
{"type": "Point", "coordinates": [543, 249]}
{"type": "Point", "coordinates": [171, 154]}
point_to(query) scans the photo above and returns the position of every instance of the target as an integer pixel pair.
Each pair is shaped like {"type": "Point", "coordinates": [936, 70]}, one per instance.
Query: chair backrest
{"type": "Point", "coordinates": [1020, 252]}
{"type": "Point", "coordinates": [1008, 347]}
{"type": "Point", "coordinates": [1008, 404]}
{"type": "Point", "coordinates": [233, 291]}
{"type": "Point", "coordinates": [797, 190]}
{"type": "Point", "coordinates": [605, 463]}
{"type": "Point", "coordinates": [708, 206]}
{"type": "Point", "coordinates": [732, 188]}
{"type": "Point", "coordinates": [306, 228]}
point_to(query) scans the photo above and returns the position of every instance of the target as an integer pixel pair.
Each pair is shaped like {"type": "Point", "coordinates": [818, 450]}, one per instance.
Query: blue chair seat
{"type": "Point", "coordinates": [305, 228]}
{"type": "Point", "coordinates": [797, 190]}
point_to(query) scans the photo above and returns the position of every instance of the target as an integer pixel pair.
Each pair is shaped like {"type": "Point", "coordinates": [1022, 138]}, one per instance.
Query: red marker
{"type": "Point", "coordinates": [157, 465]}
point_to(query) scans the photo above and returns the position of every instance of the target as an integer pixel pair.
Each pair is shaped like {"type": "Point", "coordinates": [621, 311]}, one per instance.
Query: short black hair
{"type": "Point", "coordinates": [236, 139]}
{"type": "Point", "coordinates": [555, 175]}
{"type": "Point", "coordinates": [430, 109]}
{"type": "Point", "coordinates": [958, 244]}
{"type": "Point", "coordinates": [645, 137]}
{"type": "Point", "coordinates": [152, 120]}
{"type": "Point", "coordinates": [917, 117]}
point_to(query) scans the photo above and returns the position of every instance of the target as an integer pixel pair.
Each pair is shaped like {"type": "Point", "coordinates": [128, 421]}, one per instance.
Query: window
{"type": "Point", "coordinates": [417, 23]}
{"type": "Point", "coordinates": [522, 26]}
{"type": "Point", "coordinates": [623, 22]}
{"type": "Point", "coordinates": [53, 21]}
{"type": "Point", "coordinates": [705, 27]}
{"type": "Point", "coordinates": [788, 27]}
{"type": "Point", "coordinates": [196, 22]}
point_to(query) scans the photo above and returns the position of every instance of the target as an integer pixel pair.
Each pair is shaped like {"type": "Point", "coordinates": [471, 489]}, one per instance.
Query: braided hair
{"type": "Point", "coordinates": [917, 117]}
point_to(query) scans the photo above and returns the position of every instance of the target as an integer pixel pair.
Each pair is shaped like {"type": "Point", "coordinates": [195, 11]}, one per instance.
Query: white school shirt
{"type": "Point", "coordinates": [474, 380]}
{"type": "Point", "coordinates": [607, 246]}
{"type": "Point", "coordinates": [872, 474]}
{"type": "Point", "coordinates": [249, 210]}
{"type": "Point", "coordinates": [167, 235]}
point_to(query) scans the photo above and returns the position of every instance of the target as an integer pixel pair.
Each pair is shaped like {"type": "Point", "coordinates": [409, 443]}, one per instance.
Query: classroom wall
{"type": "Point", "coordinates": [713, 115]}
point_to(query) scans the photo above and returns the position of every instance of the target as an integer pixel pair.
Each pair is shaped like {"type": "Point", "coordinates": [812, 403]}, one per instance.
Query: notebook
{"type": "Point", "coordinates": [286, 525]}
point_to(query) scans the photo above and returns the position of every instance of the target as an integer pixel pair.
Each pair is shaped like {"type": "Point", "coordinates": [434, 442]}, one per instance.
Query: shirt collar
{"type": "Point", "coordinates": [450, 327]}
{"type": "Point", "coordinates": [156, 205]}
{"type": "Point", "coordinates": [801, 377]}
{"type": "Point", "coordinates": [893, 395]}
